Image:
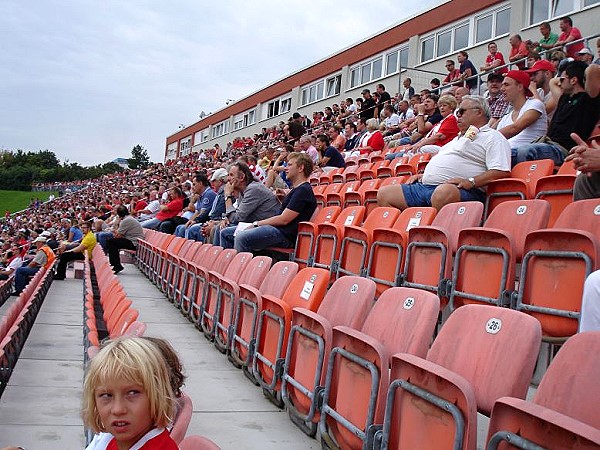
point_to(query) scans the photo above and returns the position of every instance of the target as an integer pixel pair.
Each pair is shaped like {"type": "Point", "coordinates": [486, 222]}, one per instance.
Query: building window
{"type": "Point", "coordinates": [286, 105]}
{"type": "Point", "coordinates": [461, 37]}
{"type": "Point", "coordinates": [427, 49]}
{"type": "Point", "coordinates": [444, 43]}
{"type": "Point", "coordinates": [273, 109]}
{"type": "Point", "coordinates": [333, 86]}
{"type": "Point", "coordinates": [541, 10]}
{"type": "Point", "coordinates": [319, 90]}
{"type": "Point", "coordinates": [502, 21]}
{"type": "Point", "coordinates": [391, 63]}
{"type": "Point", "coordinates": [220, 129]}
{"type": "Point", "coordinates": [492, 24]}
{"type": "Point", "coordinates": [366, 72]}
{"type": "Point", "coordinates": [238, 124]}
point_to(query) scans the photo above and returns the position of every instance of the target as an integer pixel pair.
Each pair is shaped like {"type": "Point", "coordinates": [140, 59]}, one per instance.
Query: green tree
{"type": "Point", "coordinates": [139, 158]}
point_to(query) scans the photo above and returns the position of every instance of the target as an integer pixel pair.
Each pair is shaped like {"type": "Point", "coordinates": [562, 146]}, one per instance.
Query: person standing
{"type": "Point", "coordinates": [126, 236]}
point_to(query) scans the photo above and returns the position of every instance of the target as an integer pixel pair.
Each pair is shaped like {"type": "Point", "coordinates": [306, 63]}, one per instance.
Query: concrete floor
{"type": "Point", "coordinates": [40, 407]}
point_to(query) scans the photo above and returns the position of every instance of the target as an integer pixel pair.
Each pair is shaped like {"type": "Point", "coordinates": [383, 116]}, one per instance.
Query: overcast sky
{"type": "Point", "coordinates": [90, 80]}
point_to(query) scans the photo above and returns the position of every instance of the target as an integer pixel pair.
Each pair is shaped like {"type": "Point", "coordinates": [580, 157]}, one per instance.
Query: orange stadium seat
{"type": "Point", "coordinates": [564, 410]}
{"type": "Point", "coordinates": [186, 275]}
{"type": "Point", "coordinates": [358, 368]}
{"type": "Point", "coordinates": [347, 302]}
{"type": "Point", "coordinates": [430, 249]}
{"type": "Point", "coordinates": [307, 235]}
{"type": "Point", "coordinates": [179, 271]}
{"type": "Point", "coordinates": [249, 306]}
{"type": "Point", "coordinates": [386, 253]}
{"type": "Point", "coordinates": [337, 198]}
{"type": "Point", "coordinates": [482, 353]}
{"type": "Point", "coordinates": [555, 265]}
{"type": "Point", "coordinates": [329, 236]}
{"type": "Point", "coordinates": [520, 185]}
{"type": "Point", "coordinates": [205, 259]}
{"type": "Point", "coordinates": [494, 250]}
{"type": "Point", "coordinates": [370, 195]}
{"type": "Point", "coordinates": [253, 275]}
{"type": "Point", "coordinates": [306, 290]}
{"type": "Point", "coordinates": [557, 189]}
{"type": "Point", "coordinates": [210, 305]}
{"type": "Point", "coordinates": [356, 241]}
{"type": "Point", "coordinates": [357, 198]}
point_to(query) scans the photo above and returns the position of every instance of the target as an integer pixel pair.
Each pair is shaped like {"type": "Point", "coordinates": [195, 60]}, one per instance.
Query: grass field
{"type": "Point", "coordinates": [18, 200]}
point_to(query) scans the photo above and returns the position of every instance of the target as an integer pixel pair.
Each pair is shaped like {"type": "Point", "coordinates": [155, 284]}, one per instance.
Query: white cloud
{"type": "Point", "coordinates": [89, 80]}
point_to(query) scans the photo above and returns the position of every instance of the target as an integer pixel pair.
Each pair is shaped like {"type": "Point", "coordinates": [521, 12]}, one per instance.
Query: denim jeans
{"type": "Point", "coordinates": [258, 238]}
{"type": "Point", "coordinates": [152, 224]}
{"type": "Point", "coordinates": [22, 275]}
{"type": "Point", "coordinates": [225, 237]}
{"type": "Point", "coordinates": [530, 152]}
{"type": "Point", "coordinates": [194, 232]}
{"type": "Point", "coordinates": [102, 237]}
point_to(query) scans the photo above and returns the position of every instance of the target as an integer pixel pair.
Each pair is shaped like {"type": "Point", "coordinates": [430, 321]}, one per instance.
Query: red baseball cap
{"type": "Point", "coordinates": [542, 64]}
{"type": "Point", "coordinates": [522, 77]}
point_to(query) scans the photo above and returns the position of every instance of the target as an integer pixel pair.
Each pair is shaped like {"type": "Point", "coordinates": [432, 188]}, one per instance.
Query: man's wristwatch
{"type": "Point", "coordinates": [472, 181]}
{"type": "Point", "coordinates": [255, 224]}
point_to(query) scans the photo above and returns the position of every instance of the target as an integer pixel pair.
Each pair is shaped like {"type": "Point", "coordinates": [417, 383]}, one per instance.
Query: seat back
{"type": "Point", "coordinates": [198, 443]}
{"type": "Point", "coordinates": [255, 271]}
{"type": "Point", "coordinates": [279, 278]}
{"type": "Point", "coordinates": [182, 419]}
{"type": "Point", "coordinates": [570, 385]}
{"type": "Point", "coordinates": [581, 215]}
{"type": "Point", "coordinates": [478, 342]}
{"type": "Point", "coordinates": [357, 373]}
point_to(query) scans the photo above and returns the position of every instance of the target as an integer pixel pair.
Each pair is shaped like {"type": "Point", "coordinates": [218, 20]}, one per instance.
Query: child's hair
{"type": "Point", "coordinates": [176, 376]}
{"type": "Point", "coordinates": [136, 360]}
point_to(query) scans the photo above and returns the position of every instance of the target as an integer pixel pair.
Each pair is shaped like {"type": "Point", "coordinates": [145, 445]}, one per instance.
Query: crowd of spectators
{"type": "Point", "coordinates": [201, 195]}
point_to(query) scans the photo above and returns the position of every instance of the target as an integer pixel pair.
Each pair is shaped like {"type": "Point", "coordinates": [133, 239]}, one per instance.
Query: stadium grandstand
{"type": "Point", "coordinates": [396, 247]}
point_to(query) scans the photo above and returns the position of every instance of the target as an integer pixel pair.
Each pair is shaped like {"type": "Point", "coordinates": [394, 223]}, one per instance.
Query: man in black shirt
{"type": "Point", "coordinates": [367, 110]}
{"type": "Point", "coordinates": [578, 111]}
{"type": "Point", "coordinates": [298, 205]}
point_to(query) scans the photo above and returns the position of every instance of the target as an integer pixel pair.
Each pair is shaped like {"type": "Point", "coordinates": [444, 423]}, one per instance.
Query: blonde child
{"type": "Point", "coordinates": [127, 397]}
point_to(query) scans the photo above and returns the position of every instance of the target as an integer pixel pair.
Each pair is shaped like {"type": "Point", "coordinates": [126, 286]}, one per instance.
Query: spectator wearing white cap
{"type": "Point", "coordinates": [44, 257]}
{"type": "Point", "coordinates": [585, 55]}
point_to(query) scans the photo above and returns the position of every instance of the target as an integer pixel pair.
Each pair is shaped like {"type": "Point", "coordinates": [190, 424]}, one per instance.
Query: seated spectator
{"type": "Point", "coordinates": [372, 140]}
{"type": "Point", "coordinates": [467, 70]}
{"type": "Point", "coordinates": [405, 112]}
{"type": "Point", "coordinates": [496, 99]}
{"type": "Point", "coordinates": [392, 120]}
{"type": "Point", "coordinates": [532, 58]}
{"type": "Point", "coordinates": [13, 261]}
{"type": "Point", "coordinates": [298, 205]}
{"type": "Point", "coordinates": [167, 211]}
{"type": "Point", "coordinates": [577, 111]}
{"type": "Point", "coordinates": [526, 121]}
{"type": "Point", "coordinates": [541, 73]}
{"type": "Point", "coordinates": [78, 253]}
{"type": "Point", "coordinates": [367, 109]}
{"type": "Point", "coordinates": [307, 147]}
{"type": "Point", "coordinates": [435, 86]}
{"type": "Point", "coordinates": [337, 140]}
{"type": "Point", "coordinates": [44, 257]}
{"type": "Point", "coordinates": [151, 209]}
{"type": "Point", "coordinates": [259, 174]}
{"type": "Point", "coordinates": [590, 304]}
{"type": "Point", "coordinates": [569, 34]}
{"type": "Point", "coordinates": [351, 137]}
{"type": "Point", "coordinates": [585, 55]}
{"type": "Point", "coordinates": [453, 73]}
{"type": "Point", "coordinates": [409, 91]}
{"type": "Point", "coordinates": [197, 212]}
{"type": "Point", "coordinates": [330, 158]}
{"type": "Point", "coordinates": [557, 58]}
{"type": "Point", "coordinates": [441, 133]}
{"type": "Point", "coordinates": [518, 51]}
{"type": "Point", "coordinates": [548, 40]}
{"type": "Point", "coordinates": [428, 115]}
{"type": "Point", "coordinates": [494, 59]}
{"type": "Point", "coordinates": [461, 168]}
{"type": "Point", "coordinates": [126, 237]}
{"type": "Point", "coordinates": [586, 159]}
{"type": "Point", "coordinates": [254, 202]}
{"type": "Point", "coordinates": [199, 231]}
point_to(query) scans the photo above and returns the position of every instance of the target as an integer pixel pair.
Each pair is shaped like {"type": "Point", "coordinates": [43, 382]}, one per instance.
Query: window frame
{"type": "Point", "coordinates": [356, 81]}
{"type": "Point", "coordinates": [550, 14]}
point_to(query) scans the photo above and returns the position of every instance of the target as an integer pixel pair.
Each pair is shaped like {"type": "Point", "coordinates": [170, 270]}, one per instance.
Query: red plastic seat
{"type": "Point", "coordinates": [306, 290]}
{"type": "Point", "coordinates": [337, 198]}
{"type": "Point", "coordinates": [183, 419]}
{"type": "Point", "coordinates": [386, 253]}
{"type": "Point", "coordinates": [430, 249]}
{"type": "Point", "coordinates": [520, 185]}
{"type": "Point", "coordinates": [233, 269]}
{"type": "Point", "coordinates": [564, 410]}
{"type": "Point", "coordinates": [358, 367]}
{"type": "Point", "coordinates": [357, 240]}
{"type": "Point", "coordinates": [494, 250]}
{"type": "Point", "coordinates": [433, 402]}
{"type": "Point", "coordinates": [248, 307]}
{"type": "Point", "coordinates": [557, 190]}
{"type": "Point", "coordinates": [556, 263]}
{"type": "Point", "coordinates": [307, 235]}
{"type": "Point", "coordinates": [198, 443]}
{"type": "Point", "coordinates": [329, 236]}
{"type": "Point", "coordinates": [346, 303]}
{"type": "Point", "coordinates": [253, 275]}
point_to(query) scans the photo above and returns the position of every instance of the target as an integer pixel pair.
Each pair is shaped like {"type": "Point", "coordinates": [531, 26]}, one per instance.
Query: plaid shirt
{"type": "Point", "coordinates": [498, 105]}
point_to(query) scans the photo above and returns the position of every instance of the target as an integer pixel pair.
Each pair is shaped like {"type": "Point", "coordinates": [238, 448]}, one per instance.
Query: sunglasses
{"type": "Point", "coordinates": [461, 111]}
